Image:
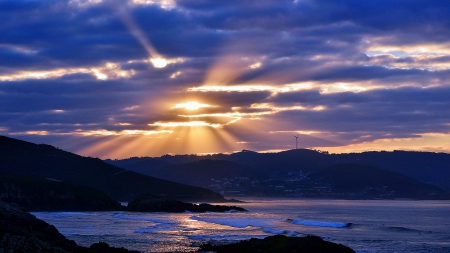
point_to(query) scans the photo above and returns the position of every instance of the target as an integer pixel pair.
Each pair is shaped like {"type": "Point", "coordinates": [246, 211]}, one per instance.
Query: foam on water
{"type": "Point", "coordinates": [237, 222]}
{"type": "Point", "coordinates": [314, 223]}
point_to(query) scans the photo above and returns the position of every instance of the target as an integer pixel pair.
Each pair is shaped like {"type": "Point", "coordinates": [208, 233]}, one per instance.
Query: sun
{"type": "Point", "coordinates": [159, 62]}
{"type": "Point", "coordinates": [192, 106]}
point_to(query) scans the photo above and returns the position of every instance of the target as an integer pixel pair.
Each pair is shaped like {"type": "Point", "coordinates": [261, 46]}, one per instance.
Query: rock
{"type": "Point", "coordinates": [280, 243]}
{"type": "Point", "coordinates": [155, 203]}
{"type": "Point", "coordinates": [102, 247]}
{"type": "Point", "coordinates": [22, 232]}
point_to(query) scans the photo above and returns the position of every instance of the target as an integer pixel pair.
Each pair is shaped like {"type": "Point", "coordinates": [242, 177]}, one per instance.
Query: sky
{"type": "Point", "coordinates": [117, 79]}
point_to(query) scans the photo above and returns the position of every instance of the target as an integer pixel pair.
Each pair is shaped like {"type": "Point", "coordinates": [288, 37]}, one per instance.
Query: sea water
{"type": "Point", "coordinates": [367, 226]}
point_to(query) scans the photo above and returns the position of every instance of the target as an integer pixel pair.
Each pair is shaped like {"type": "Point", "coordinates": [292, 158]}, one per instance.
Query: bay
{"type": "Point", "coordinates": [367, 226]}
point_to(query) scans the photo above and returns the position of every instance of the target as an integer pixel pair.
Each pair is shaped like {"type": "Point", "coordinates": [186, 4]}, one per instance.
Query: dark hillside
{"type": "Point", "coordinates": [281, 173]}
{"type": "Point", "coordinates": [362, 181]}
{"type": "Point", "coordinates": [37, 194]}
{"type": "Point", "coordinates": [204, 172]}
{"type": "Point", "coordinates": [45, 161]}
{"type": "Point", "coordinates": [427, 167]}
{"type": "Point", "coordinates": [279, 164]}
{"type": "Point", "coordinates": [144, 166]}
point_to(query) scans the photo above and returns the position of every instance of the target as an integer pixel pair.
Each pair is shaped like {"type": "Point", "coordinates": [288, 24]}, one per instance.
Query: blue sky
{"type": "Point", "coordinates": [116, 79]}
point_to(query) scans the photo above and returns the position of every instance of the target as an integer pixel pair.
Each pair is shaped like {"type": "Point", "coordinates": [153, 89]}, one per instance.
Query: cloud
{"type": "Point", "coordinates": [340, 73]}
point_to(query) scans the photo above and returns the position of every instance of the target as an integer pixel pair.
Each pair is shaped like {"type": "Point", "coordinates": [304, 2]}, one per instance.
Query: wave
{"type": "Point", "coordinates": [237, 222]}
{"type": "Point", "coordinates": [314, 223]}
{"type": "Point", "coordinates": [402, 229]}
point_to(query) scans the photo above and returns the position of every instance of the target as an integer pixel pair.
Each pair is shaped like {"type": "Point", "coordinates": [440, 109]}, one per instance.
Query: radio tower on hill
{"type": "Point", "coordinates": [296, 140]}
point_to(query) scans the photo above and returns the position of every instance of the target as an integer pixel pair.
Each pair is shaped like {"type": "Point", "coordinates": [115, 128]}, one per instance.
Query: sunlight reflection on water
{"type": "Point", "coordinates": [376, 226]}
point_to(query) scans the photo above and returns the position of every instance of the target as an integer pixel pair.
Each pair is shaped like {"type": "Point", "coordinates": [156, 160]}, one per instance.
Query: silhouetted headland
{"type": "Point", "coordinates": [45, 161]}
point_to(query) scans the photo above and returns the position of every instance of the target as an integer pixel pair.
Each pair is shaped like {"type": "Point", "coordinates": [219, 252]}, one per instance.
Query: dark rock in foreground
{"type": "Point", "coordinates": [280, 243]}
{"type": "Point", "coordinates": [102, 247]}
{"type": "Point", "coordinates": [22, 232]}
{"type": "Point", "coordinates": [154, 203]}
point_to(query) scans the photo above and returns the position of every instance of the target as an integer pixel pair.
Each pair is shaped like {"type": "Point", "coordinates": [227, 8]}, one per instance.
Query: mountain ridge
{"type": "Point", "coordinates": [427, 167]}
{"type": "Point", "coordinates": [291, 173]}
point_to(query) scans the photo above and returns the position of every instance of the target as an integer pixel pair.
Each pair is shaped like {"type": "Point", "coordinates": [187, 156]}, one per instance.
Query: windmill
{"type": "Point", "coordinates": [296, 140]}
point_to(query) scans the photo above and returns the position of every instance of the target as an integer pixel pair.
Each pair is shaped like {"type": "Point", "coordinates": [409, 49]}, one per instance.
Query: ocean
{"type": "Point", "coordinates": [367, 226]}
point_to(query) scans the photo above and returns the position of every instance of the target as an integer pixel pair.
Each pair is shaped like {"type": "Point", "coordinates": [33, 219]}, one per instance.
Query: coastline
{"type": "Point", "coordinates": [377, 225]}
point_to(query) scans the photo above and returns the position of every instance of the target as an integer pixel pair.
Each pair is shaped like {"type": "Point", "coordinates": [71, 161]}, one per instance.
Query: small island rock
{"type": "Point", "coordinates": [155, 203]}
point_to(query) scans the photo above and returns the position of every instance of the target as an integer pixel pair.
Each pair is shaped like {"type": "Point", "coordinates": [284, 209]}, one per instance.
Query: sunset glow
{"type": "Point", "coordinates": [185, 124]}
{"type": "Point", "coordinates": [157, 76]}
{"type": "Point", "coordinates": [159, 62]}
{"type": "Point", "coordinates": [192, 106]}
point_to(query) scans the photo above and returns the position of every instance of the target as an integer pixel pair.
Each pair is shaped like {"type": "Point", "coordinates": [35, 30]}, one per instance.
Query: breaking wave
{"type": "Point", "coordinates": [314, 223]}
{"type": "Point", "coordinates": [237, 222]}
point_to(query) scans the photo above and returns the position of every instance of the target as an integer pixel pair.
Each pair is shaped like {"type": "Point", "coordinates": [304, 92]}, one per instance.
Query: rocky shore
{"type": "Point", "coordinates": [22, 232]}
{"type": "Point", "coordinates": [279, 243]}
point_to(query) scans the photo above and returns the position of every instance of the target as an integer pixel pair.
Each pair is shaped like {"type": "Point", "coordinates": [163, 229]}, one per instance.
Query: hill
{"type": "Point", "coordinates": [45, 161]}
{"type": "Point", "coordinates": [285, 173]}
{"type": "Point", "coordinates": [38, 194]}
{"type": "Point", "coordinates": [368, 182]}
{"type": "Point", "coordinates": [427, 167]}
{"type": "Point", "coordinates": [143, 166]}
{"type": "Point", "coordinates": [202, 173]}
